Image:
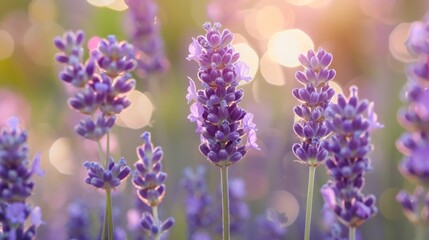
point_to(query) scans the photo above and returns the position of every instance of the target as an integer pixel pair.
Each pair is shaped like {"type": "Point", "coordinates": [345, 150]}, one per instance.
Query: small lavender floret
{"type": "Point", "coordinates": [149, 179]}
{"type": "Point", "coordinates": [314, 96]}
{"type": "Point", "coordinates": [115, 58]}
{"type": "Point", "coordinates": [268, 227]}
{"type": "Point", "coordinates": [349, 146]}
{"type": "Point", "coordinates": [223, 125]}
{"type": "Point", "coordinates": [95, 130]}
{"type": "Point", "coordinates": [111, 177]}
{"type": "Point", "coordinates": [79, 221]}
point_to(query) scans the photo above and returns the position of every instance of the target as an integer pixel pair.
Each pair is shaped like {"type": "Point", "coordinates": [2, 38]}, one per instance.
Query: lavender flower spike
{"type": "Point", "coordinates": [349, 146]}
{"type": "Point", "coordinates": [15, 183]}
{"type": "Point", "coordinates": [227, 131]}
{"type": "Point", "coordinates": [108, 178]}
{"type": "Point", "coordinates": [149, 180]}
{"type": "Point", "coordinates": [314, 96]}
{"type": "Point", "coordinates": [146, 37]}
{"type": "Point", "coordinates": [414, 117]}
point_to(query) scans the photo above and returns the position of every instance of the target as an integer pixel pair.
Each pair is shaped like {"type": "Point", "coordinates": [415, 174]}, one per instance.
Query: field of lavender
{"type": "Point", "coordinates": [214, 119]}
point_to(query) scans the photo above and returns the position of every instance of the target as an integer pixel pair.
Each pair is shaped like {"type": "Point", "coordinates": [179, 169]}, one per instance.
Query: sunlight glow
{"type": "Point", "coordinates": [285, 47]}
{"type": "Point", "coordinates": [100, 3]}
{"type": "Point", "coordinates": [300, 2]}
{"type": "Point", "coordinates": [42, 10]}
{"type": "Point", "coordinates": [272, 71]}
{"type": "Point", "coordinates": [249, 56]}
{"type": "Point", "coordinates": [269, 20]}
{"type": "Point", "coordinates": [61, 156]}
{"type": "Point", "coordinates": [285, 203]}
{"type": "Point", "coordinates": [7, 45]}
{"type": "Point", "coordinates": [118, 5]}
{"type": "Point", "coordinates": [139, 113]}
{"type": "Point", "coordinates": [397, 39]}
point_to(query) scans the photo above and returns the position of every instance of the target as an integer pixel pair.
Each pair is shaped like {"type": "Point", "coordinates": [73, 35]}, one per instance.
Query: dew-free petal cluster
{"type": "Point", "coordinates": [349, 147]}
{"type": "Point", "coordinates": [109, 177]}
{"type": "Point", "coordinates": [314, 97]}
{"type": "Point", "coordinates": [225, 136]}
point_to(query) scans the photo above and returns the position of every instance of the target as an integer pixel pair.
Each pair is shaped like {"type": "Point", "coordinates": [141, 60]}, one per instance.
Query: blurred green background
{"type": "Point", "coordinates": [366, 38]}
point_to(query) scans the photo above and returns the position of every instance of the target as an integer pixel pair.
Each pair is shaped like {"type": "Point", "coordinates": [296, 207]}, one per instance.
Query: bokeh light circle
{"type": "Point", "coordinates": [61, 156]}
{"type": "Point", "coordinates": [249, 56]}
{"type": "Point", "coordinates": [7, 45]}
{"type": "Point", "coordinates": [397, 40]}
{"type": "Point", "coordinates": [285, 203]}
{"type": "Point", "coordinates": [285, 47]}
{"type": "Point", "coordinates": [139, 113]}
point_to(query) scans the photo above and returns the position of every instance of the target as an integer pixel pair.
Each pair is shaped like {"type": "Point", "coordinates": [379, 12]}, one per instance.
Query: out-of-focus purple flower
{"type": "Point", "coordinates": [149, 180]}
{"type": "Point", "coordinates": [348, 163]}
{"type": "Point", "coordinates": [78, 222]}
{"type": "Point", "coordinates": [111, 177]}
{"type": "Point", "coordinates": [15, 183]}
{"type": "Point", "coordinates": [314, 96]}
{"type": "Point", "coordinates": [268, 227]}
{"type": "Point", "coordinates": [146, 38]}
{"type": "Point", "coordinates": [200, 214]}
{"type": "Point", "coordinates": [417, 41]}
{"type": "Point", "coordinates": [219, 119]}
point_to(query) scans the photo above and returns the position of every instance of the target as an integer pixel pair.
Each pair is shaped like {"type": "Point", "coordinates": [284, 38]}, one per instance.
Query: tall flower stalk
{"type": "Point", "coordinates": [351, 120]}
{"type": "Point", "coordinates": [311, 127]}
{"type": "Point", "coordinates": [16, 185]}
{"type": "Point", "coordinates": [101, 85]}
{"type": "Point", "coordinates": [149, 180]}
{"type": "Point", "coordinates": [227, 131]}
{"type": "Point", "coordinates": [414, 117]}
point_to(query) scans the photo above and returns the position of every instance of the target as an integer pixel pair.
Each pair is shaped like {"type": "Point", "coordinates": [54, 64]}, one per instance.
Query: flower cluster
{"type": "Point", "coordinates": [100, 96]}
{"type": "Point", "coordinates": [314, 96]}
{"type": "Point", "coordinates": [145, 36]}
{"type": "Point", "coordinates": [414, 117]}
{"type": "Point", "coordinates": [268, 227]}
{"type": "Point", "coordinates": [15, 183]}
{"type": "Point", "coordinates": [221, 122]}
{"type": "Point", "coordinates": [149, 180]}
{"type": "Point", "coordinates": [111, 177]}
{"type": "Point", "coordinates": [199, 203]}
{"type": "Point", "coordinates": [349, 146]}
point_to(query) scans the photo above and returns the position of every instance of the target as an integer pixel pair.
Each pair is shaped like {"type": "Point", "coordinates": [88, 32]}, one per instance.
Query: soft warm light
{"type": "Point", "coordinates": [36, 42]}
{"type": "Point", "coordinates": [138, 114]}
{"type": "Point", "coordinates": [272, 71]}
{"type": "Point", "coordinates": [397, 40]}
{"type": "Point", "coordinates": [100, 3]}
{"type": "Point", "coordinates": [61, 156]}
{"type": "Point", "coordinates": [378, 8]}
{"type": "Point", "coordinates": [299, 2]}
{"type": "Point", "coordinates": [7, 45]}
{"type": "Point", "coordinates": [338, 90]}
{"type": "Point", "coordinates": [285, 203]}
{"type": "Point", "coordinates": [390, 209]}
{"type": "Point", "coordinates": [269, 20]}
{"type": "Point", "coordinates": [42, 10]}
{"type": "Point", "coordinates": [118, 5]}
{"type": "Point", "coordinates": [285, 47]}
{"type": "Point", "coordinates": [249, 56]}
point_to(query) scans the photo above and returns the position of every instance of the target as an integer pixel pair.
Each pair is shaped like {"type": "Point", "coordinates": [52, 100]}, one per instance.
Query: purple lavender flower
{"type": "Point", "coordinates": [111, 177]}
{"type": "Point", "coordinates": [15, 183]}
{"type": "Point", "coordinates": [269, 227]}
{"type": "Point", "coordinates": [149, 180]}
{"type": "Point", "coordinates": [200, 215]}
{"type": "Point", "coordinates": [414, 117]}
{"type": "Point", "coordinates": [349, 146]}
{"type": "Point", "coordinates": [146, 37]}
{"type": "Point", "coordinates": [99, 95]}
{"type": "Point", "coordinates": [314, 96]}
{"type": "Point", "coordinates": [220, 120]}
{"type": "Point", "coordinates": [79, 221]}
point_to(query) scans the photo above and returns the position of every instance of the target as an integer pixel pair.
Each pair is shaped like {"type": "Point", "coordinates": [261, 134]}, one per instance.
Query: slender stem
{"type": "Point", "coordinates": [420, 232]}
{"type": "Point", "coordinates": [156, 219]}
{"type": "Point", "coordinates": [225, 202]}
{"type": "Point", "coordinates": [107, 148]}
{"type": "Point", "coordinates": [311, 173]}
{"type": "Point", "coordinates": [352, 233]}
{"type": "Point", "coordinates": [109, 214]}
{"type": "Point", "coordinates": [100, 151]}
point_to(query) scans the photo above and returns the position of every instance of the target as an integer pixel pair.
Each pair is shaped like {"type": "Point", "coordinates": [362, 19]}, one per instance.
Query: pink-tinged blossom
{"type": "Point", "coordinates": [227, 131]}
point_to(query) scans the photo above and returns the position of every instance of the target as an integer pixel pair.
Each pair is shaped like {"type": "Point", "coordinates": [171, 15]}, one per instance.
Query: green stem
{"type": "Point", "coordinates": [225, 202]}
{"type": "Point", "coordinates": [156, 219]}
{"type": "Point", "coordinates": [100, 151]}
{"type": "Point", "coordinates": [107, 148]}
{"type": "Point", "coordinates": [107, 231]}
{"type": "Point", "coordinates": [420, 232]}
{"type": "Point", "coordinates": [311, 173]}
{"type": "Point", "coordinates": [352, 233]}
